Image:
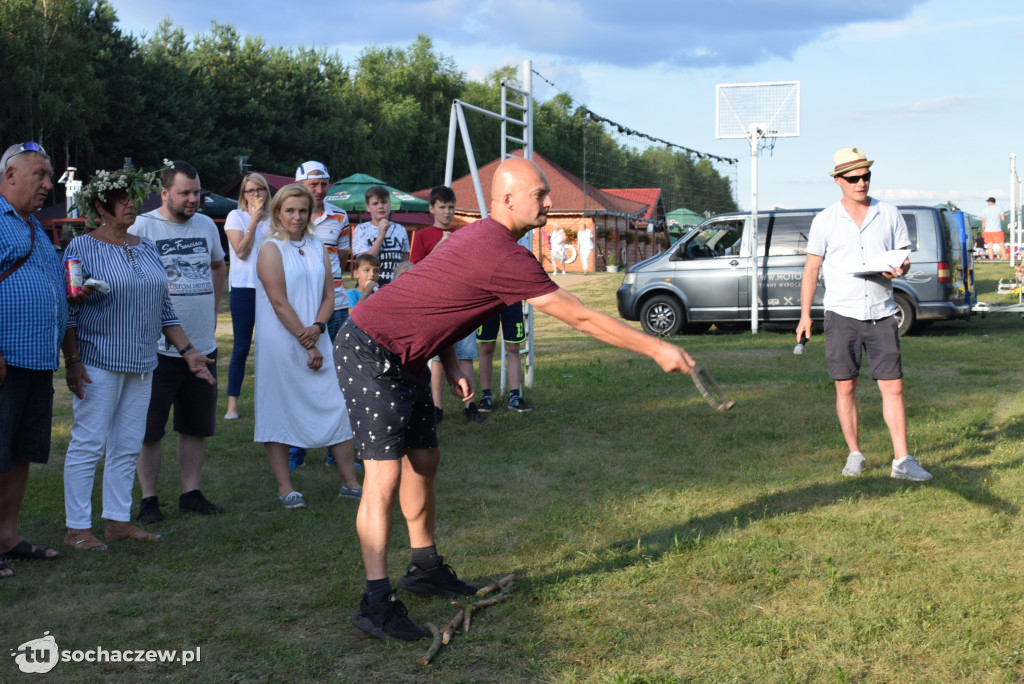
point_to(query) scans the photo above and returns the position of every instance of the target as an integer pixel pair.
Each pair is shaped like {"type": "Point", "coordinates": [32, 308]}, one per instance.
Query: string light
{"type": "Point", "coordinates": [626, 130]}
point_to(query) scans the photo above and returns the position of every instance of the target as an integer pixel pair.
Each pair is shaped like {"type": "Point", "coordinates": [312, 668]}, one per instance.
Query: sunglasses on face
{"type": "Point", "coordinates": [853, 180]}
{"type": "Point", "coordinates": [256, 191]}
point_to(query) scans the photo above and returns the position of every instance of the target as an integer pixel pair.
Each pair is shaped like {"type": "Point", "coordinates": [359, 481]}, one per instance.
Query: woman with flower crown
{"type": "Point", "coordinates": [111, 353]}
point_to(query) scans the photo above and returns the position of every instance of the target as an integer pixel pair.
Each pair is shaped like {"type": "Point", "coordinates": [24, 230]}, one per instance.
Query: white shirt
{"type": "Point", "coordinates": [242, 272]}
{"type": "Point", "coordinates": [332, 227]}
{"type": "Point", "coordinates": [844, 247]}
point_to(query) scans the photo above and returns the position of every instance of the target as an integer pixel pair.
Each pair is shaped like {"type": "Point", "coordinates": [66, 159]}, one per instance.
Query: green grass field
{"type": "Point", "coordinates": [654, 539]}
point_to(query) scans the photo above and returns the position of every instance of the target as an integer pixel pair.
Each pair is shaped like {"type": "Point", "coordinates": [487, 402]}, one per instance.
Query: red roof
{"type": "Point", "coordinates": [649, 196]}
{"type": "Point", "coordinates": [569, 194]}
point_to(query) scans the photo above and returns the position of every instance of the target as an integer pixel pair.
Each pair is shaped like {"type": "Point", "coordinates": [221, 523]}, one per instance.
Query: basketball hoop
{"type": "Point", "coordinates": [758, 112]}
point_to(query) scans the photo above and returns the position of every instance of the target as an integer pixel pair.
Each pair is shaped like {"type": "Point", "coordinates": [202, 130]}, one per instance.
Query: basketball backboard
{"type": "Point", "coordinates": [772, 108]}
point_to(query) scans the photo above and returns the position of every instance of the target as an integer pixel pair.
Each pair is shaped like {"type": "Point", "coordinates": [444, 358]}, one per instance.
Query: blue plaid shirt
{"type": "Point", "coordinates": [33, 300]}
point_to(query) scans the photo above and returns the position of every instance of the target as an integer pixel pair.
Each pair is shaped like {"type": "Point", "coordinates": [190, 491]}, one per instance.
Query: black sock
{"type": "Point", "coordinates": [485, 393]}
{"type": "Point", "coordinates": [377, 590]}
{"type": "Point", "coordinates": [426, 558]}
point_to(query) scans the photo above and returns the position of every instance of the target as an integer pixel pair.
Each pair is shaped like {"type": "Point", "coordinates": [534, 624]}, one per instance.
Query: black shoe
{"type": "Point", "coordinates": [440, 580]}
{"type": "Point", "coordinates": [149, 510]}
{"type": "Point", "coordinates": [195, 502]}
{"type": "Point", "coordinates": [473, 414]}
{"type": "Point", "coordinates": [438, 415]}
{"type": "Point", "coordinates": [519, 404]}
{"type": "Point", "coordinates": [486, 404]}
{"type": "Point", "coordinates": [387, 618]}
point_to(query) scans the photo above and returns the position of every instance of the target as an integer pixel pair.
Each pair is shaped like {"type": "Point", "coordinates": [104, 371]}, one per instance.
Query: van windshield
{"type": "Point", "coordinates": [717, 239]}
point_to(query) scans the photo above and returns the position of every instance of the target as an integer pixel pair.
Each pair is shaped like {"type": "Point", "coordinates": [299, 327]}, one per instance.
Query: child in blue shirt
{"type": "Point", "coordinates": [366, 269]}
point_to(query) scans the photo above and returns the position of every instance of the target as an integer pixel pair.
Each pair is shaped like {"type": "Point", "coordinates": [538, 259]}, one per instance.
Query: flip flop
{"type": "Point", "coordinates": [5, 566]}
{"type": "Point", "coordinates": [26, 550]}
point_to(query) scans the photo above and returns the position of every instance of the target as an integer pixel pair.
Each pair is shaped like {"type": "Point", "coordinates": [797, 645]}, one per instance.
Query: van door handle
{"type": "Point", "coordinates": [734, 263]}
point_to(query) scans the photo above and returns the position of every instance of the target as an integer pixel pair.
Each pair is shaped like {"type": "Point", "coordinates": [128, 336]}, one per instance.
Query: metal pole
{"type": "Point", "coordinates": [1014, 209]}
{"type": "Point", "coordinates": [449, 165]}
{"type": "Point", "coordinates": [527, 372]}
{"type": "Point", "coordinates": [474, 174]}
{"type": "Point", "coordinates": [754, 136]}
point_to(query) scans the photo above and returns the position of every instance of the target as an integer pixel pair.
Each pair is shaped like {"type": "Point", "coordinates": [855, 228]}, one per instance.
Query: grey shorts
{"type": "Point", "coordinates": [26, 414]}
{"type": "Point", "coordinates": [390, 410]}
{"type": "Point", "coordinates": [847, 338]}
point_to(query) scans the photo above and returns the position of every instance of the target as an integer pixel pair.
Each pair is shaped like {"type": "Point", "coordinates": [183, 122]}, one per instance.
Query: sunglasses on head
{"type": "Point", "coordinates": [22, 149]}
{"type": "Point", "coordinates": [853, 180]}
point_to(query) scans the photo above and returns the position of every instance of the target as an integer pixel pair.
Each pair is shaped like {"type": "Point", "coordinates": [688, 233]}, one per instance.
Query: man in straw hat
{"type": "Point", "coordinates": [859, 306]}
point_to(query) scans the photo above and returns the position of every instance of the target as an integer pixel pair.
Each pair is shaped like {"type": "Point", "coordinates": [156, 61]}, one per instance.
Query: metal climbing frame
{"type": "Point", "coordinates": [519, 100]}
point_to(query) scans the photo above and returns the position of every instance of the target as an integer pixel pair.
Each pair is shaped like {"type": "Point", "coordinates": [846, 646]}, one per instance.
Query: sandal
{"type": "Point", "coordinates": [117, 530]}
{"type": "Point", "coordinates": [84, 540]}
{"type": "Point", "coordinates": [10, 571]}
{"type": "Point", "coordinates": [28, 551]}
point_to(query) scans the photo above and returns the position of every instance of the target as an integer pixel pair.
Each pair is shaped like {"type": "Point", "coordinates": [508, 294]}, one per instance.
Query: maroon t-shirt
{"type": "Point", "coordinates": [469, 278]}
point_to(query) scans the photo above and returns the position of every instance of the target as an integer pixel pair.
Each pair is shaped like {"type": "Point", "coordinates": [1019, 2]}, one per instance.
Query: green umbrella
{"type": "Point", "coordinates": [350, 194]}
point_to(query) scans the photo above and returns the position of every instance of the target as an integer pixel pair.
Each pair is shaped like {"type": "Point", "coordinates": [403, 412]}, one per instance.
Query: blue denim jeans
{"type": "Point", "coordinates": [243, 319]}
{"type": "Point", "coordinates": [337, 319]}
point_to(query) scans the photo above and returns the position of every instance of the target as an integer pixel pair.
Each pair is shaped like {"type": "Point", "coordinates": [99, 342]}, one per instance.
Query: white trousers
{"type": "Point", "coordinates": [112, 416]}
{"type": "Point", "coordinates": [585, 258]}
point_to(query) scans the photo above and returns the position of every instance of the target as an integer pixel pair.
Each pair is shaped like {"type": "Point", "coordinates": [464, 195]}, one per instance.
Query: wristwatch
{"type": "Point", "coordinates": [322, 326]}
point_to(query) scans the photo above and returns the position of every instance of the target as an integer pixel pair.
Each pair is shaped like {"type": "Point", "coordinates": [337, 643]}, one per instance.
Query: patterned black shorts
{"type": "Point", "coordinates": [390, 409]}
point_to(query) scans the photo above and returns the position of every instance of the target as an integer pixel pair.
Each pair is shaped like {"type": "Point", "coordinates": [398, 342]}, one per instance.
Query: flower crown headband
{"type": "Point", "coordinates": [136, 183]}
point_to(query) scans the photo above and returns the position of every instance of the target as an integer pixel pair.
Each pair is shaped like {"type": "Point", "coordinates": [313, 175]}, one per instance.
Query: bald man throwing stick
{"type": "Point", "coordinates": [381, 357]}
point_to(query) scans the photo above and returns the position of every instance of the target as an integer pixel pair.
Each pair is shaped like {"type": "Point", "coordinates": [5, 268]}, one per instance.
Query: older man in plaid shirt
{"type": "Point", "coordinates": [33, 316]}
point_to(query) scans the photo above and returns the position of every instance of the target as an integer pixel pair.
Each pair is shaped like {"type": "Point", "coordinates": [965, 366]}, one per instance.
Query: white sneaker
{"type": "Point", "coordinates": [292, 500]}
{"type": "Point", "coordinates": [854, 464]}
{"type": "Point", "coordinates": [907, 468]}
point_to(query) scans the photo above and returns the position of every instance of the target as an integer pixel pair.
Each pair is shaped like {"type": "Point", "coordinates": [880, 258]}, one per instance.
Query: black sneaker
{"type": "Point", "coordinates": [473, 414]}
{"type": "Point", "coordinates": [387, 618]}
{"type": "Point", "coordinates": [486, 404]}
{"type": "Point", "coordinates": [519, 404]}
{"type": "Point", "coordinates": [195, 502]}
{"type": "Point", "coordinates": [149, 510]}
{"type": "Point", "coordinates": [440, 580]}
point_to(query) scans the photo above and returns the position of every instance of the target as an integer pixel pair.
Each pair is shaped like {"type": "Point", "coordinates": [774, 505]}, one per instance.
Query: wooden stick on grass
{"type": "Point", "coordinates": [434, 647]}
{"type": "Point", "coordinates": [496, 584]}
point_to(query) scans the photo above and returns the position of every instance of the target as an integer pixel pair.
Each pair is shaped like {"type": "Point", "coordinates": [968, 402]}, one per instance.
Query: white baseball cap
{"type": "Point", "coordinates": [311, 169]}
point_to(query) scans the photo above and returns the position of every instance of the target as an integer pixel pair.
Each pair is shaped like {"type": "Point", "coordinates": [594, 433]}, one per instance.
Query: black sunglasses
{"type": "Point", "coordinates": [853, 180]}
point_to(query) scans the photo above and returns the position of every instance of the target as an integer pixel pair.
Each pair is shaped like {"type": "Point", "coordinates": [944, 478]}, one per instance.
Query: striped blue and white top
{"type": "Point", "coordinates": [119, 331]}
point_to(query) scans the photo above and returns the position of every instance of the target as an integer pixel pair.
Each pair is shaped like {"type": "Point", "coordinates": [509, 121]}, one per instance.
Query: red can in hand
{"type": "Point", "coordinates": [73, 275]}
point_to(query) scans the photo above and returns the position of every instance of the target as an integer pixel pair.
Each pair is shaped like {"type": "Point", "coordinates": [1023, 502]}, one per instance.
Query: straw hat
{"type": "Point", "coordinates": [848, 159]}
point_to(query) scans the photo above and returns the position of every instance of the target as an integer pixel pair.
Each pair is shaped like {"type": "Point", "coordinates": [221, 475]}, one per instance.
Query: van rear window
{"type": "Point", "coordinates": [788, 234]}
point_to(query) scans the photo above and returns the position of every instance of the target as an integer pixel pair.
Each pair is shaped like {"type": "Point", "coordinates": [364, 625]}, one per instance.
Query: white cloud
{"type": "Point", "coordinates": [639, 33]}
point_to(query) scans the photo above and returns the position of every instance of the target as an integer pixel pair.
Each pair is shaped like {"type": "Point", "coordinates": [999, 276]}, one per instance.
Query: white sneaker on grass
{"type": "Point", "coordinates": [292, 500]}
{"type": "Point", "coordinates": [854, 464]}
{"type": "Point", "coordinates": [907, 468]}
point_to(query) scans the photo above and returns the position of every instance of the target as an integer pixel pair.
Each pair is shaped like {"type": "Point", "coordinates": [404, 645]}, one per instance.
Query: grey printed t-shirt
{"type": "Point", "coordinates": [187, 251]}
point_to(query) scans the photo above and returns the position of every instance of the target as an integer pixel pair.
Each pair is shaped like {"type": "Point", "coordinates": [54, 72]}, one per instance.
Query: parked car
{"type": "Point", "coordinates": [704, 277]}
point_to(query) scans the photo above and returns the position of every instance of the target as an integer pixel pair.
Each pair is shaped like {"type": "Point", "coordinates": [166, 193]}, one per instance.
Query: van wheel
{"type": "Point", "coordinates": [662, 316]}
{"type": "Point", "coordinates": [905, 316]}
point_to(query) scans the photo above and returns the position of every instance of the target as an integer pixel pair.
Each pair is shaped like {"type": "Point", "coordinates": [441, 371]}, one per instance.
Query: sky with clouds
{"type": "Point", "coordinates": [929, 89]}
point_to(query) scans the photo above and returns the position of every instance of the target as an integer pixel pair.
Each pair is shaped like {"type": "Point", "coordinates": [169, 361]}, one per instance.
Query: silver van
{"type": "Point", "coordinates": [704, 277]}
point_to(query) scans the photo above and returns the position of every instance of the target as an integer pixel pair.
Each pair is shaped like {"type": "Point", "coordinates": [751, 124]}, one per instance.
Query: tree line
{"type": "Point", "coordinates": [93, 94]}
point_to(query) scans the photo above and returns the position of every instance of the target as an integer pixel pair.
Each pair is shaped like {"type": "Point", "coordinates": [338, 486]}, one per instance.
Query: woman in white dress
{"type": "Point", "coordinates": [298, 399]}
{"type": "Point", "coordinates": [585, 245]}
